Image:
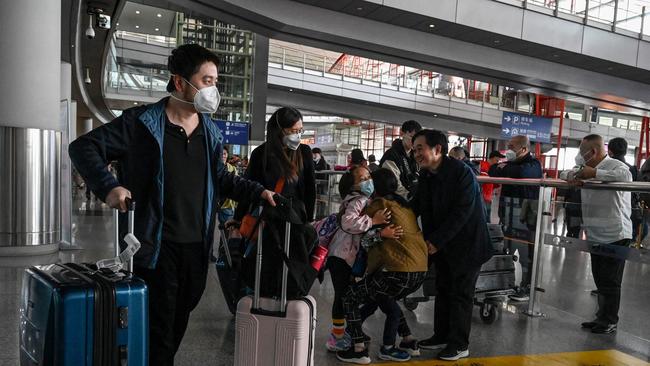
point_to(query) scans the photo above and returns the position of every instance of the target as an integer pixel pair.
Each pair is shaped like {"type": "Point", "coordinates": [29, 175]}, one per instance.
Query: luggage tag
{"type": "Point", "coordinates": [116, 264]}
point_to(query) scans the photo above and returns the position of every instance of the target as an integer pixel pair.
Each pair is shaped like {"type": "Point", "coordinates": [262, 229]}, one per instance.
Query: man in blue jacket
{"type": "Point", "coordinates": [520, 164]}
{"type": "Point", "coordinates": [448, 200]}
{"type": "Point", "coordinates": [169, 156]}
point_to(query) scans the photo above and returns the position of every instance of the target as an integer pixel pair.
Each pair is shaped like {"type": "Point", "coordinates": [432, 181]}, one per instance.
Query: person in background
{"type": "Point", "coordinates": [170, 164]}
{"type": "Point", "coordinates": [357, 159]}
{"type": "Point", "coordinates": [458, 153]}
{"type": "Point", "coordinates": [617, 149]}
{"type": "Point", "coordinates": [227, 210]}
{"type": "Point", "coordinates": [448, 201]}
{"type": "Point", "coordinates": [399, 159]}
{"type": "Point", "coordinates": [606, 218]}
{"type": "Point", "coordinates": [487, 189]}
{"type": "Point", "coordinates": [373, 163]}
{"type": "Point", "coordinates": [319, 160]}
{"type": "Point", "coordinates": [520, 164]}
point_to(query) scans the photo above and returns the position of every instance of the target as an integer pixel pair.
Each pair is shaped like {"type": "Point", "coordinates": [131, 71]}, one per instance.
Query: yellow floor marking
{"type": "Point", "coordinates": [588, 358]}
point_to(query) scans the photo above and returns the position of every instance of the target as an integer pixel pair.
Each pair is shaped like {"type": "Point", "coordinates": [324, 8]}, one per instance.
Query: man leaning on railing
{"type": "Point", "coordinates": [606, 218]}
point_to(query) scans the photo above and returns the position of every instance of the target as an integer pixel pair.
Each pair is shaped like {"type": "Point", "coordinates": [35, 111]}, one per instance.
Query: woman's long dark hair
{"type": "Point", "coordinates": [279, 157]}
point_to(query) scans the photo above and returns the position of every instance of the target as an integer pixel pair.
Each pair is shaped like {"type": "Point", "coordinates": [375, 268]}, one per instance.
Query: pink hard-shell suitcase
{"type": "Point", "coordinates": [271, 332]}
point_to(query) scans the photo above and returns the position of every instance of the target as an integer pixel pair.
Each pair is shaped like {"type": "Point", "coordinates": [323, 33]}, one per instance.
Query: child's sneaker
{"type": "Point", "coordinates": [393, 354]}
{"type": "Point", "coordinates": [410, 347]}
{"type": "Point", "coordinates": [338, 344]}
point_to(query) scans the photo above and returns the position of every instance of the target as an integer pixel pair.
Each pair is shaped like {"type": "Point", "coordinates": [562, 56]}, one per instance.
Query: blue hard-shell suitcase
{"type": "Point", "coordinates": [76, 315]}
{"type": "Point", "coordinates": [72, 314]}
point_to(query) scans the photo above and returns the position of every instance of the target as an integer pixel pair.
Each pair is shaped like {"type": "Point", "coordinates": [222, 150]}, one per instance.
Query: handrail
{"type": "Point", "coordinates": [559, 183]}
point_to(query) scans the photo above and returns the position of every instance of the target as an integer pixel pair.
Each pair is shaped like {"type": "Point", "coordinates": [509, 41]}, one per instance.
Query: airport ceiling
{"type": "Point", "coordinates": [373, 11]}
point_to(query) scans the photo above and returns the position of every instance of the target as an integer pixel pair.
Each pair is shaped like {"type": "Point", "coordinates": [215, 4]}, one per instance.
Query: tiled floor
{"type": "Point", "coordinates": [567, 302]}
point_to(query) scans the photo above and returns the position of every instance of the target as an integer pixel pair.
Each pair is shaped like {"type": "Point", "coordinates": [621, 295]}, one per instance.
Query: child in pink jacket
{"type": "Point", "coordinates": [356, 187]}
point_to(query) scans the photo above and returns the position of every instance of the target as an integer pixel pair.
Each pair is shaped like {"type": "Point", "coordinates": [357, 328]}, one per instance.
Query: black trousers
{"type": "Point", "coordinates": [175, 288]}
{"type": "Point", "coordinates": [608, 276]}
{"type": "Point", "coordinates": [454, 303]}
{"type": "Point", "coordinates": [340, 272]}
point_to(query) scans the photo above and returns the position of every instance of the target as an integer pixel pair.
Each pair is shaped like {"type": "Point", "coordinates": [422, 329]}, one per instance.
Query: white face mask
{"type": "Point", "coordinates": [292, 141]}
{"type": "Point", "coordinates": [511, 155]}
{"type": "Point", "coordinates": [206, 100]}
{"type": "Point", "coordinates": [580, 161]}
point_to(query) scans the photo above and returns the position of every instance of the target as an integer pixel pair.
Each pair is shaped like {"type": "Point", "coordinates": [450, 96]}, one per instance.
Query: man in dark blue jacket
{"type": "Point", "coordinates": [169, 156]}
{"type": "Point", "coordinates": [520, 164]}
{"type": "Point", "coordinates": [448, 200]}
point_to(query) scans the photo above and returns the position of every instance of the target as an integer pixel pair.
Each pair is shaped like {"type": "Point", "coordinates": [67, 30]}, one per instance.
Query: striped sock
{"type": "Point", "coordinates": [338, 328]}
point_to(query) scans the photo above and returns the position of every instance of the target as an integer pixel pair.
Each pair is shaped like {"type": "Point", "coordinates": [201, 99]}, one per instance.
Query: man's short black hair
{"type": "Point", "coordinates": [411, 126]}
{"type": "Point", "coordinates": [316, 150]}
{"type": "Point", "coordinates": [618, 146]}
{"type": "Point", "coordinates": [496, 154]}
{"type": "Point", "coordinates": [186, 60]}
{"type": "Point", "coordinates": [372, 158]}
{"type": "Point", "coordinates": [433, 138]}
{"type": "Point", "coordinates": [225, 148]}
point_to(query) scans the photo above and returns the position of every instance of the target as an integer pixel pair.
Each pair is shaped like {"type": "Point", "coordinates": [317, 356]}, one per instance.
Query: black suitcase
{"type": "Point", "coordinates": [228, 267]}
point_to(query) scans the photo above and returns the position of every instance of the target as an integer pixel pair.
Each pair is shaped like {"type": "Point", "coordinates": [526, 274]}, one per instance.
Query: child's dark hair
{"type": "Point", "coordinates": [347, 181]}
{"type": "Point", "coordinates": [385, 183]}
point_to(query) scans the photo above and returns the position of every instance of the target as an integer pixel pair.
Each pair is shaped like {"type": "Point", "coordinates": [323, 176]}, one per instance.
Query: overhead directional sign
{"type": "Point", "coordinates": [534, 127]}
{"type": "Point", "coordinates": [234, 133]}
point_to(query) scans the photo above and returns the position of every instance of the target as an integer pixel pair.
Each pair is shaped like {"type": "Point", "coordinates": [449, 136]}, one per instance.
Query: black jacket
{"type": "Point", "coordinates": [453, 219]}
{"type": "Point", "coordinates": [135, 141]}
{"type": "Point", "coordinates": [303, 190]}
{"type": "Point", "coordinates": [405, 162]}
{"type": "Point", "coordinates": [527, 167]}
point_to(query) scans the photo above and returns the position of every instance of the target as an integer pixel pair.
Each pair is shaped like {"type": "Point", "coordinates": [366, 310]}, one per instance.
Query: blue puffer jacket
{"type": "Point", "coordinates": [135, 141]}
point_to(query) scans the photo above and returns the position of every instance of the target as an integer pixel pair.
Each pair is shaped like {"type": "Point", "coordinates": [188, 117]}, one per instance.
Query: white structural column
{"type": "Point", "coordinates": [88, 126]}
{"type": "Point", "coordinates": [30, 70]}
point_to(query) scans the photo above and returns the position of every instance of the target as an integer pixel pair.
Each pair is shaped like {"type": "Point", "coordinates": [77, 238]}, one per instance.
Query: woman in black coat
{"type": "Point", "coordinates": [283, 156]}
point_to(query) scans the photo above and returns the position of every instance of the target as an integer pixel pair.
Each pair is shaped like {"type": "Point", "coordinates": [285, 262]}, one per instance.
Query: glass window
{"type": "Point", "coordinates": [575, 116]}
{"type": "Point", "coordinates": [605, 121]}
{"type": "Point", "coordinates": [621, 123]}
{"type": "Point", "coordinates": [634, 125]}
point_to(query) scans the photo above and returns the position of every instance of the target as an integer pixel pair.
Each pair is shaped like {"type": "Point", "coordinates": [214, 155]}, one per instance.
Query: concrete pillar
{"type": "Point", "coordinates": [260, 87]}
{"type": "Point", "coordinates": [30, 67]}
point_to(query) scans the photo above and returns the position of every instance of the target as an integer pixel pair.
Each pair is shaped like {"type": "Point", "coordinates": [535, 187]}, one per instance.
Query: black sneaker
{"type": "Point", "coordinates": [432, 343]}
{"type": "Point", "coordinates": [351, 356]}
{"type": "Point", "coordinates": [604, 329]}
{"type": "Point", "coordinates": [589, 325]}
{"type": "Point", "coordinates": [449, 354]}
{"type": "Point", "coordinates": [410, 347]}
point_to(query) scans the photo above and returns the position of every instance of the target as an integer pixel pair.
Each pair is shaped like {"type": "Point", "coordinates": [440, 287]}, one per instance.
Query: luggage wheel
{"type": "Point", "coordinates": [488, 312]}
{"type": "Point", "coordinates": [410, 304]}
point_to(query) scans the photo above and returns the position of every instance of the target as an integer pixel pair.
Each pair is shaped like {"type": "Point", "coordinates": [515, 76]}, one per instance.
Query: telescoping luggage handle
{"type": "Point", "coordinates": [133, 244]}
{"type": "Point", "coordinates": [258, 268]}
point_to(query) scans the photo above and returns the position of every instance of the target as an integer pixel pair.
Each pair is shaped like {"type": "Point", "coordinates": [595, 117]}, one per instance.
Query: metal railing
{"type": "Point", "coordinates": [547, 210]}
{"type": "Point", "coordinates": [407, 80]}
{"type": "Point", "coordinates": [630, 16]}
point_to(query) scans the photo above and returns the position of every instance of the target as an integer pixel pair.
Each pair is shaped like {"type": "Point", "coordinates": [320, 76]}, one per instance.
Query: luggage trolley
{"type": "Point", "coordinates": [495, 282]}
